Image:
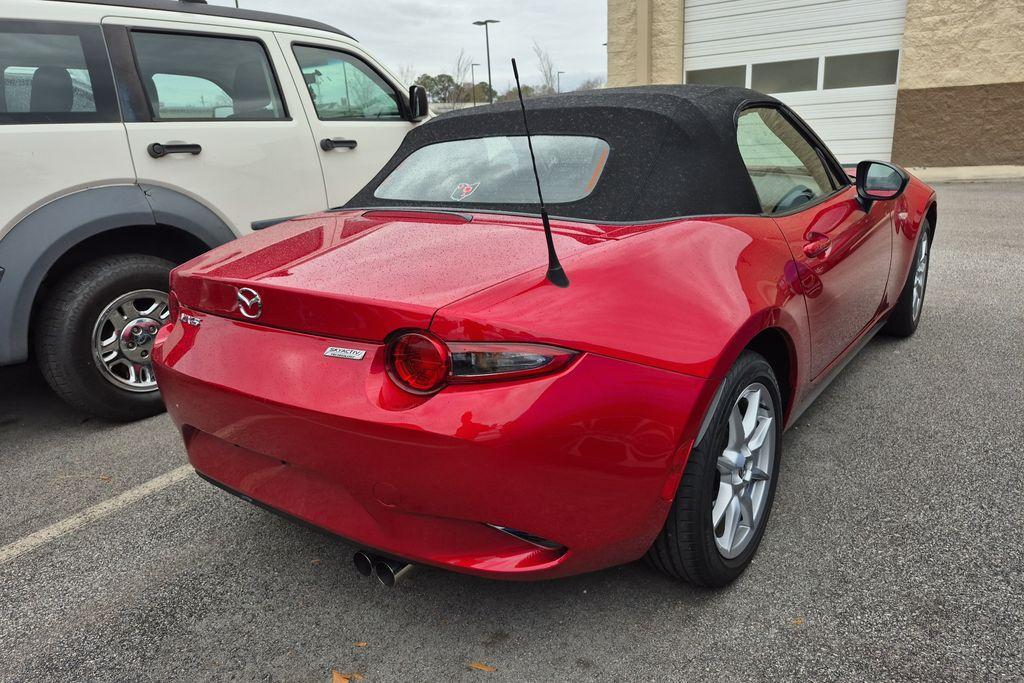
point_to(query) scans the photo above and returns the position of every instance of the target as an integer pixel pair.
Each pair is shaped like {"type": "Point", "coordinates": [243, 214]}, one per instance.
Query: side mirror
{"type": "Point", "coordinates": [879, 181]}
{"type": "Point", "coordinates": [418, 107]}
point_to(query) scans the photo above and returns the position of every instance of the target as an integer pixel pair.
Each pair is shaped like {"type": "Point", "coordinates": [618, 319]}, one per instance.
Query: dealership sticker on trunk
{"type": "Point", "coordinates": [338, 352]}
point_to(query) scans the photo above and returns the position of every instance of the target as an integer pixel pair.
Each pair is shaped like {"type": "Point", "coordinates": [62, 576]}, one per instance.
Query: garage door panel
{"type": "Point", "coordinates": [757, 25]}
{"type": "Point", "coordinates": [856, 123]}
{"type": "Point", "coordinates": [826, 40]}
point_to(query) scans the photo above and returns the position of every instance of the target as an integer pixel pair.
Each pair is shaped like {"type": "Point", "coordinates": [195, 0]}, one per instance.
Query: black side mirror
{"type": "Point", "coordinates": [418, 107]}
{"type": "Point", "coordinates": [879, 181]}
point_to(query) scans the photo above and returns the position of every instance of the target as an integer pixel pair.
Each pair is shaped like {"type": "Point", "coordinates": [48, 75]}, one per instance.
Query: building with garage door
{"type": "Point", "coordinates": [926, 83]}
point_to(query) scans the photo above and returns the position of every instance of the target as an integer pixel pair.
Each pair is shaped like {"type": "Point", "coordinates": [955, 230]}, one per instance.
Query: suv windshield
{"type": "Point", "coordinates": [497, 170]}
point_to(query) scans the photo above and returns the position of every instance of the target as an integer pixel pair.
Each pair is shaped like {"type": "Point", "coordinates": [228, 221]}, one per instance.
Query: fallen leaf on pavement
{"type": "Point", "coordinates": [104, 477]}
{"type": "Point", "coordinates": [480, 666]}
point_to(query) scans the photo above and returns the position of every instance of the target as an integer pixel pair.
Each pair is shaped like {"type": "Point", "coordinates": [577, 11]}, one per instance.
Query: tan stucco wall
{"type": "Point", "coordinates": [961, 83]}
{"type": "Point", "coordinates": [645, 42]}
{"type": "Point", "coordinates": [962, 42]}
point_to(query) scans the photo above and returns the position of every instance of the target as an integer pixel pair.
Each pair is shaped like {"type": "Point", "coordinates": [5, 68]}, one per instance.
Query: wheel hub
{"type": "Point", "coordinates": [137, 337]}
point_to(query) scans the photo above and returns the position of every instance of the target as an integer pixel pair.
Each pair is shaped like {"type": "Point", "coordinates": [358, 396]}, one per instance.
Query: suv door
{"type": "Point", "coordinates": [218, 124]}
{"type": "Point", "coordinates": [841, 252]}
{"type": "Point", "coordinates": [357, 114]}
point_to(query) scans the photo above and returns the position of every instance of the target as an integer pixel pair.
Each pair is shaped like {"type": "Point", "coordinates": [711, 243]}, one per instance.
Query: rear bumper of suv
{"type": "Point", "coordinates": [586, 459]}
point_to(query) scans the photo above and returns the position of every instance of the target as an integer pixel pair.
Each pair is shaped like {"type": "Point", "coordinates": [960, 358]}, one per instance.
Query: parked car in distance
{"type": "Point", "coordinates": [137, 134]}
{"type": "Point", "coordinates": [400, 371]}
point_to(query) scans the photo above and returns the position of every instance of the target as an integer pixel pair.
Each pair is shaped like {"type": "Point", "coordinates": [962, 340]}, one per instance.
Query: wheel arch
{"type": "Point", "coordinates": [69, 230]}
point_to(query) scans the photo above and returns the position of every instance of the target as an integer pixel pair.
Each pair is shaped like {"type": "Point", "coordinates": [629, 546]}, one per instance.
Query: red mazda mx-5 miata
{"type": "Point", "coordinates": [400, 372]}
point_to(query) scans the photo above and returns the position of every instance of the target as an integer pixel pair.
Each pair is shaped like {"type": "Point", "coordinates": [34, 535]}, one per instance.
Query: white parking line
{"type": "Point", "coordinates": [89, 515]}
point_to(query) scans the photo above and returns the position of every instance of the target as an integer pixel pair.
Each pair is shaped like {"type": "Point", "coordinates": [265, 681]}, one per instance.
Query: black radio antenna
{"type": "Point", "coordinates": [556, 275]}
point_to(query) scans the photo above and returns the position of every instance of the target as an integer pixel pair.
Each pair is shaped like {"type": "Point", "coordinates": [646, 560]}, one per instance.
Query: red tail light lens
{"type": "Point", "coordinates": [173, 309]}
{"type": "Point", "coordinates": [418, 363]}
{"type": "Point", "coordinates": [422, 364]}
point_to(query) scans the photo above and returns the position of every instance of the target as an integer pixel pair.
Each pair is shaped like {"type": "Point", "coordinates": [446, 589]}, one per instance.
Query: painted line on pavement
{"type": "Point", "coordinates": [92, 514]}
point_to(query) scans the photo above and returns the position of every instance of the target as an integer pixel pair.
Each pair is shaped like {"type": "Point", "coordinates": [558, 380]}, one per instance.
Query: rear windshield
{"type": "Point", "coordinates": [497, 170]}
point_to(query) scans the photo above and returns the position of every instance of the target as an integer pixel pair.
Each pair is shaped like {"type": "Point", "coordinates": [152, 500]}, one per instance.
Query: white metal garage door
{"type": "Point", "coordinates": [834, 61]}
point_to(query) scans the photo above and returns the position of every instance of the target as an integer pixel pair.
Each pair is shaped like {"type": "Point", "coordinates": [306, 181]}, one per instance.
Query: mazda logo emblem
{"type": "Point", "coordinates": [249, 303]}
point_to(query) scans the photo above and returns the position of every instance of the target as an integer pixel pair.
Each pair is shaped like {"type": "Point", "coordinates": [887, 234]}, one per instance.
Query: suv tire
{"type": "Point", "coordinates": [69, 335]}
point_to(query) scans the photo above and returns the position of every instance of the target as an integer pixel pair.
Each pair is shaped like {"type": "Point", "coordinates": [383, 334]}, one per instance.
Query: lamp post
{"type": "Point", "coordinates": [559, 75]}
{"type": "Point", "coordinates": [472, 77]}
{"type": "Point", "coordinates": [487, 38]}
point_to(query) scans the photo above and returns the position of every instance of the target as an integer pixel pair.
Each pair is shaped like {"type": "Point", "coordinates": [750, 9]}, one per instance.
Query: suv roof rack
{"type": "Point", "coordinates": [200, 7]}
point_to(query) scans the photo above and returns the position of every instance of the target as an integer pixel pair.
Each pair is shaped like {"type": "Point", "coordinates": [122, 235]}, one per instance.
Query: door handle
{"type": "Point", "coordinates": [327, 144]}
{"type": "Point", "coordinates": [157, 150]}
{"type": "Point", "coordinates": [817, 247]}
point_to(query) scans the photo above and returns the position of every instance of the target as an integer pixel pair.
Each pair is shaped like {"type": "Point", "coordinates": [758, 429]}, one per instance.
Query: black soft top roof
{"type": "Point", "coordinates": [672, 151]}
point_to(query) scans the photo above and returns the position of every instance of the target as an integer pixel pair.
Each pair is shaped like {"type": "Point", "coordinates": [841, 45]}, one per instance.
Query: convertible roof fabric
{"type": "Point", "coordinates": [672, 151]}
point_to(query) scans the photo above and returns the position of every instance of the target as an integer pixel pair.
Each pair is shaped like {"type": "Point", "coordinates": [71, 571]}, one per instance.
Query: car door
{"type": "Point", "coordinates": [841, 252]}
{"type": "Point", "coordinates": [358, 116]}
{"type": "Point", "coordinates": [216, 122]}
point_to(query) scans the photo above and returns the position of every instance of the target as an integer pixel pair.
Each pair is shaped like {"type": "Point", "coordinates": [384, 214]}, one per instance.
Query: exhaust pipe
{"type": "Point", "coordinates": [364, 563]}
{"type": "Point", "coordinates": [390, 572]}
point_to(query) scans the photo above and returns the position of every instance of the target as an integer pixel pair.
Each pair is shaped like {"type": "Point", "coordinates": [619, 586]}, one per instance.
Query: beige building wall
{"type": "Point", "coordinates": [645, 42]}
{"type": "Point", "coordinates": [961, 84]}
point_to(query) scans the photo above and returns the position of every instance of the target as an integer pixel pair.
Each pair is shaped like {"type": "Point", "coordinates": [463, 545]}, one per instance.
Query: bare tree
{"type": "Point", "coordinates": [459, 73]}
{"type": "Point", "coordinates": [548, 72]}
{"type": "Point", "coordinates": [407, 74]}
{"type": "Point", "coordinates": [591, 84]}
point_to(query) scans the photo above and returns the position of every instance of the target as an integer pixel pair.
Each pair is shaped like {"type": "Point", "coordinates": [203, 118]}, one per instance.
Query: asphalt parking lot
{"type": "Point", "coordinates": [895, 548]}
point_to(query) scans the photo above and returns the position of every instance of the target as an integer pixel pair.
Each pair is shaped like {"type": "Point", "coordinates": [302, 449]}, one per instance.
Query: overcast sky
{"type": "Point", "coordinates": [428, 35]}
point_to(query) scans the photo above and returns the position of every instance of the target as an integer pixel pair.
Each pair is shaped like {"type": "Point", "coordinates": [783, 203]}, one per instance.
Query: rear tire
{"type": "Point", "coordinates": [906, 314]}
{"type": "Point", "coordinates": [691, 546]}
{"type": "Point", "coordinates": [109, 300]}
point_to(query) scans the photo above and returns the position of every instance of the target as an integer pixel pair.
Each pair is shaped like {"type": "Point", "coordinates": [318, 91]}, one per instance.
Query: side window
{"type": "Point", "coordinates": [54, 73]}
{"type": "Point", "coordinates": [343, 87]}
{"type": "Point", "coordinates": [786, 169]}
{"type": "Point", "coordinates": [191, 77]}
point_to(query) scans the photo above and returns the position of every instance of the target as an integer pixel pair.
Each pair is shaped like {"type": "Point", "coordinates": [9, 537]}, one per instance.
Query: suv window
{"type": "Point", "coordinates": [342, 87]}
{"type": "Point", "coordinates": [190, 77]}
{"type": "Point", "coordinates": [54, 73]}
{"type": "Point", "coordinates": [786, 169]}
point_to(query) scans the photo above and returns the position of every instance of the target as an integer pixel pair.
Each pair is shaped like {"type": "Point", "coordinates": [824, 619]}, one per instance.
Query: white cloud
{"type": "Point", "coordinates": [428, 35]}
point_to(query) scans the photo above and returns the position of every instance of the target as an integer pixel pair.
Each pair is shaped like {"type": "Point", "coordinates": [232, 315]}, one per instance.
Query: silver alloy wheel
{"type": "Point", "coordinates": [122, 338]}
{"type": "Point", "coordinates": [745, 469]}
{"type": "Point", "coordinates": [920, 276]}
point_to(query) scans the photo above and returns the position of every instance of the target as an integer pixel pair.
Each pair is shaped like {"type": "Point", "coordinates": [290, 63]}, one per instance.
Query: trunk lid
{"type": "Point", "coordinates": [364, 274]}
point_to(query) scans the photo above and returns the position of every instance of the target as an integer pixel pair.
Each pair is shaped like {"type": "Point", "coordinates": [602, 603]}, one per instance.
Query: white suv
{"type": "Point", "coordinates": [136, 134]}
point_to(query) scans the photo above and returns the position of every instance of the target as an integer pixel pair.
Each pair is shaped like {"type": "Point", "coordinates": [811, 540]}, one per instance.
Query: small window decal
{"type": "Point", "coordinates": [463, 190]}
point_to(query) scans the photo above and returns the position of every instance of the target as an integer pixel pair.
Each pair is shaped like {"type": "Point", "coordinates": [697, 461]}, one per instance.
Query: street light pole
{"type": "Point", "coordinates": [560, 80]}
{"type": "Point", "coordinates": [472, 77]}
{"type": "Point", "coordinates": [487, 37]}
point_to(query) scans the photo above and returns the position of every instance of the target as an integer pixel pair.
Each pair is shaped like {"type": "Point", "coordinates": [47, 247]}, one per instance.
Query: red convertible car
{"type": "Point", "coordinates": [400, 372]}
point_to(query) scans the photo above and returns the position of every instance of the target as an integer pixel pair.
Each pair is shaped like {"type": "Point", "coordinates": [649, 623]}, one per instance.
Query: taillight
{"type": "Point", "coordinates": [173, 308]}
{"type": "Point", "coordinates": [483, 362]}
{"type": "Point", "coordinates": [418, 363]}
{"type": "Point", "coordinates": [422, 364]}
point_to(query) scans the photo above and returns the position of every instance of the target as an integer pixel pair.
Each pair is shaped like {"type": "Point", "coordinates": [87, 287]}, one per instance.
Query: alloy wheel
{"type": "Point", "coordinates": [920, 276]}
{"type": "Point", "coordinates": [745, 469]}
{"type": "Point", "coordinates": [122, 338]}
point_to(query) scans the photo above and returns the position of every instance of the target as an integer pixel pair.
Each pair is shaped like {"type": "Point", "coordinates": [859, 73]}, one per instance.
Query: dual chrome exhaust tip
{"type": "Point", "coordinates": [388, 572]}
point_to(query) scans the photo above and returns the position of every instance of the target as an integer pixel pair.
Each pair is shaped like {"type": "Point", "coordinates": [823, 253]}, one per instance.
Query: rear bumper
{"type": "Point", "coordinates": [587, 458]}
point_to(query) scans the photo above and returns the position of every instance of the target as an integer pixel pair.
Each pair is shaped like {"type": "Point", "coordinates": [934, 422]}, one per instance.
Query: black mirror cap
{"type": "Point", "coordinates": [418, 106]}
{"type": "Point", "coordinates": [868, 193]}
